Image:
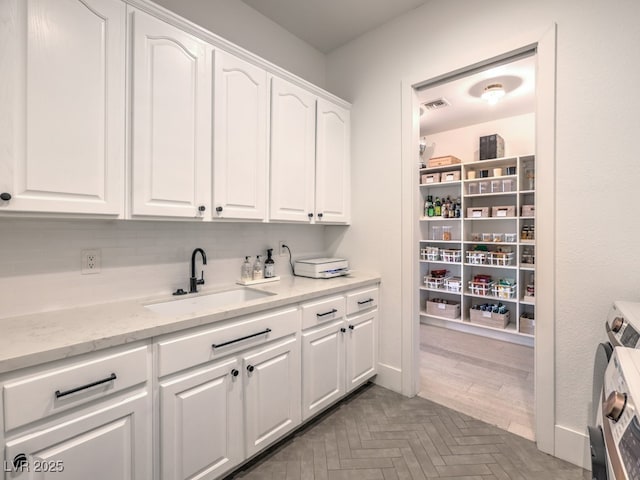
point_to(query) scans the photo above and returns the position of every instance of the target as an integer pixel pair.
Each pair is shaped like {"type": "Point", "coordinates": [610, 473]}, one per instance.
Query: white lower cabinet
{"type": "Point", "coordinates": [80, 418]}
{"type": "Point", "coordinates": [201, 422]}
{"type": "Point", "coordinates": [360, 348]}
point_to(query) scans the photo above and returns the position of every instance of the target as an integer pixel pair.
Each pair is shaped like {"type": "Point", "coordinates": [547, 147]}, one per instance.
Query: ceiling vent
{"type": "Point", "coordinates": [436, 104]}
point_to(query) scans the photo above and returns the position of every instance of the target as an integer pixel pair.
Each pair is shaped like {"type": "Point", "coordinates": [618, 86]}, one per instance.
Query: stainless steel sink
{"type": "Point", "coordinates": [195, 305]}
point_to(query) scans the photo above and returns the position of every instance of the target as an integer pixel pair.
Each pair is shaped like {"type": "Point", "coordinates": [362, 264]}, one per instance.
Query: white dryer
{"type": "Point", "coordinates": [620, 416]}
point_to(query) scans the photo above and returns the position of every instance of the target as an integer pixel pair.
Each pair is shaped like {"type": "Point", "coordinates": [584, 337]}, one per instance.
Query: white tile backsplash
{"type": "Point", "coordinates": [40, 259]}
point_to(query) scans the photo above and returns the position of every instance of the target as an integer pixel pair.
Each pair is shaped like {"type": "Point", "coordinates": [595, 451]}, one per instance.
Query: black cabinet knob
{"type": "Point", "coordinates": [234, 372]}
{"type": "Point", "coordinates": [320, 215]}
{"type": "Point", "coordinates": [351, 327]}
{"type": "Point", "coordinates": [343, 329]}
{"type": "Point", "coordinates": [202, 208]}
{"type": "Point", "coordinates": [250, 368]}
{"type": "Point", "coordinates": [5, 196]}
{"type": "Point", "coordinates": [218, 209]}
{"type": "Point", "coordinates": [20, 461]}
{"type": "Point", "coordinates": [310, 215]}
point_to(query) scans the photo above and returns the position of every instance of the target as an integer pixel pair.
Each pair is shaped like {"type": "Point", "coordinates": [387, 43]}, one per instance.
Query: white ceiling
{"type": "Point", "coordinates": [328, 24]}
{"type": "Point", "coordinates": [466, 106]}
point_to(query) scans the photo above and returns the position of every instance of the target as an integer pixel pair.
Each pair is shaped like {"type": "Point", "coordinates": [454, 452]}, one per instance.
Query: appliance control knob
{"type": "Point", "coordinates": [617, 324]}
{"type": "Point", "coordinates": [614, 405]}
{"type": "Point", "coordinates": [5, 196]}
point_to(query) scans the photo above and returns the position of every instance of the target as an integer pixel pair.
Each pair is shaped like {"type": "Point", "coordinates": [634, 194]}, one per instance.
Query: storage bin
{"type": "Point", "coordinates": [527, 324]}
{"type": "Point", "coordinates": [432, 254]}
{"type": "Point", "coordinates": [528, 210]}
{"type": "Point", "coordinates": [487, 237]}
{"type": "Point", "coordinates": [508, 185]}
{"type": "Point", "coordinates": [497, 237]}
{"type": "Point", "coordinates": [480, 288]}
{"type": "Point", "coordinates": [496, 186]}
{"type": "Point", "coordinates": [484, 187]}
{"type": "Point", "coordinates": [477, 212]}
{"type": "Point", "coordinates": [503, 211]}
{"type": "Point", "coordinates": [452, 256]}
{"type": "Point", "coordinates": [472, 188]}
{"type": "Point", "coordinates": [510, 237]}
{"type": "Point", "coordinates": [501, 259]}
{"type": "Point", "coordinates": [447, 310]}
{"type": "Point", "coordinates": [477, 257]}
{"type": "Point", "coordinates": [443, 161]}
{"type": "Point", "coordinates": [452, 176]}
{"type": "Point", "coordinates": [453, 284]}
{"type": "Point", "coordinates": [434, 282]}
{"type": "Point", "coordinates": [503, 291]}
{"type": "Point", "coordinates": [489, 319]}
{"type": "Point", "coordinates": [430, 178]}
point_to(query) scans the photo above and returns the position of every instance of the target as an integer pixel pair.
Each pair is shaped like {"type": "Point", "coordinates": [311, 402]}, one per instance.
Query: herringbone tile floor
{"type": "Point", "coordinates": [379, 434]}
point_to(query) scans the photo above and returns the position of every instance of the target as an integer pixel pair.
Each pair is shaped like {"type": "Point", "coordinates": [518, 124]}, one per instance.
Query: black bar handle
{"type": "Point", "coordinates": [266, 330]}
{"type": "Point", "coordinates": [333, 310]}
{"type": "Point", "coordinates": [84, 387]}
{"type": "Point", "coordinates": [362, 302]}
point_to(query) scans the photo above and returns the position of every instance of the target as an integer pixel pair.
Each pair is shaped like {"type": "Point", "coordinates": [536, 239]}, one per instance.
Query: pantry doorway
{"type": "Point", "coordinates": [542, 47]}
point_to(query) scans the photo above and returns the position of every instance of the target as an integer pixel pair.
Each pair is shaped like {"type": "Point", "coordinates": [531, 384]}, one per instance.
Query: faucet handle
{"type": "Point", "coordinates": [200, 281]}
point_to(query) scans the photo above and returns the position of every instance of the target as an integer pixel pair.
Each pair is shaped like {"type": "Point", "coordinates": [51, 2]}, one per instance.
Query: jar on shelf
{"type": "Point", "coordinates": [446, 233]}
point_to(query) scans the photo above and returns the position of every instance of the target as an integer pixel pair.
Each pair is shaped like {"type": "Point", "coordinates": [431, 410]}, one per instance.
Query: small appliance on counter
{"type": "Point", "coordinates": [322, 267]}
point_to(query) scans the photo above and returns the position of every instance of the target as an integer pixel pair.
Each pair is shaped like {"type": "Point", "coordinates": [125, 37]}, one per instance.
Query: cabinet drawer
{"type": "Point", "coordinates": [362, 300]}
{"type": "Point", "coordinates": [324, 310]}
{"type": "Point", "coordinates": [47, 392]}
{"type": "Point", "coordinates": [202, 345]}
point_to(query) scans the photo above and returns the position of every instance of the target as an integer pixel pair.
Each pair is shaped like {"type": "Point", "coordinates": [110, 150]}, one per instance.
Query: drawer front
{"type": "Point", "coordinates": [51, 391]}
{"type": "Point", "coordinates": [201, 345]}
{"type": "Point", "coordinates": [362, 300]}
{"type": "Point", "coordinates": [324, 310]}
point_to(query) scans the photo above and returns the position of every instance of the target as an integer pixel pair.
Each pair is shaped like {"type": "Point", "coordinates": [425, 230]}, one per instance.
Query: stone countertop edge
{"type": "Point", "coordinates": [38, 338]}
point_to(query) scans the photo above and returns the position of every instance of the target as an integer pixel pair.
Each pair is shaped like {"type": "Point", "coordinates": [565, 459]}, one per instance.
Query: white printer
{"type": "Point", "coordinates": [322, 267]}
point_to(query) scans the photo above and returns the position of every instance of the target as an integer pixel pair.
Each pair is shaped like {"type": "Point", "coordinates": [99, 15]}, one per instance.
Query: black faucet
{"type": "Point", "coordinates": [193, 281]}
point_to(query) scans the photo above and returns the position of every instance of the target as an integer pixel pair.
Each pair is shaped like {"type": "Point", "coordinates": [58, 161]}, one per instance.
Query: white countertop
{"type": "Point", "coordinates": [43, 337]}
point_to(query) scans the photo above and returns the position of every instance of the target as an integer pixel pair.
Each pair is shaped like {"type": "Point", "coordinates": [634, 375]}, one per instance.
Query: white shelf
{"type": "Point", "coordinates": [470, 225]}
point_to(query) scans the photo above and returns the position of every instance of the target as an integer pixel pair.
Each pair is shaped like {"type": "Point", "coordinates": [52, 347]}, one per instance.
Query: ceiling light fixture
{"type": "Point", "coordinates": [492, 93]}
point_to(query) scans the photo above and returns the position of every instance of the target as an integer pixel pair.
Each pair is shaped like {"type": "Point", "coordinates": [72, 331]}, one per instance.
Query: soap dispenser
{"type": "Point", "coordinates": [258, 273]}
{"type": "Point", "coordinates": [246, 273]}
{"type": "Point", "coordinates": [269, 265]}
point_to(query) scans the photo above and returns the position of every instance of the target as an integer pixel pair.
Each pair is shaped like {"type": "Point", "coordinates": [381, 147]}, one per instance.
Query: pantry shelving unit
{"type": "Point", "coordinates": [495, 235]}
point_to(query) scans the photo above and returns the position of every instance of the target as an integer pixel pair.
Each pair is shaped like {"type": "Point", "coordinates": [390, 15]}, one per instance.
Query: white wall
{"type": "Point", "coordinates": [237, 22]}
{"type": "Point", "coordinates": [40, 259]}
{"type": "Point", "coordinates": [597, 168]}
{"type": "Point", "coordinates": [518, 133]}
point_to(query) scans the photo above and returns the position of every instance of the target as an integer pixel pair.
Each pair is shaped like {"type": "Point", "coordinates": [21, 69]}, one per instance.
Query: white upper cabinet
{"type": "Point", "coordinates": [62, 65]}
{"type": "Point", "coordinates": [240, 139]}
{"type": "Point", "coordinates": [332, 163]}
{"type": "Point", "coordinates": [293, 125]}
{"type": "Point", "coordinates": [171, 120]}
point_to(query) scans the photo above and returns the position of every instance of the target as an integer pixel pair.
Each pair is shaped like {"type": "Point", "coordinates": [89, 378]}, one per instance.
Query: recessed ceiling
{"type": "Point", "coordinates": [463, 96]}
{"type": "Point", "coordinates": [328, 24]}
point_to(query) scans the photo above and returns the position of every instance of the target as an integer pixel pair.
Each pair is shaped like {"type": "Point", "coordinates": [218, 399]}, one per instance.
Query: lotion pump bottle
{"type": "Point", "coordinates": [269, 265]}
{"type": "Point", "coordinates": [258, 273]}
{"type": "Point", "coordinates": [245, 272]}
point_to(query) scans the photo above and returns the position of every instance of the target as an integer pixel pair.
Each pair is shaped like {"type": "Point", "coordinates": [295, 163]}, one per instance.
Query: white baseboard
{"type": "Point", "coordinates": [572, 446]}
{"type": "Point", "coordinates": [389, 377]}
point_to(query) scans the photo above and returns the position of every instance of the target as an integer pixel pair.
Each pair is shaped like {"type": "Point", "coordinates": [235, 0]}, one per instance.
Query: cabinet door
{"type": "Point", "coordinates": [361, 348]}
{"type": "Point", "coordinates": [322, 367]}
{"type": "Point", "coordinates": [63, 103]}
{"type": "Point", "coordinates": [272, 393]}
{"type": "Point", "coordinates": [240, 140]}
{"type": "Point", "coordinates": [201, 423]}
{"type": "Point", "coordinates": [171, 120]}
{"type": "Point", "coordinates": [109, 442]}
{"type": "Point", "coordinates": [333, 189]}
{"type": "Point", "coordinates": [293, 127]}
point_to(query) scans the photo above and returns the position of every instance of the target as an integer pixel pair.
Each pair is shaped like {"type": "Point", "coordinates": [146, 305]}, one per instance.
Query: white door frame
{"type": "Point", "coordinates": [545, 116]}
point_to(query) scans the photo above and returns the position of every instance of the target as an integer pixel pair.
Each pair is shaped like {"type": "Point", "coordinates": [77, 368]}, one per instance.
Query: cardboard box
{"type": "Point", "coordinates": [452, 176]}
{"type": "Point", "coordinates": [528, 210]}
{"type": "Point", "coordinates": [491, 146]}
{"type": "Point", "coordinates": [430, 178]}
{"type": "Point", "coordinates": [477, 212]}
{"type": "Point", "coordinates": [447, 310]}
{"type": "Point", "coordinates": [489, 319]}
{"type": "Point", "coordinates": [527, 325]}
{"type": "Point", "coordinates": [443, 161]}
{"type": "Point", "coordinates": [503, 211]}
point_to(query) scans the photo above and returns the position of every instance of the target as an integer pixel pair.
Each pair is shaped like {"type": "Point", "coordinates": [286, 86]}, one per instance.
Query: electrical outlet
{"type": "Point", "coordinates": [91, 261]}
{"type": "Point", "coordinates": [281, 250]}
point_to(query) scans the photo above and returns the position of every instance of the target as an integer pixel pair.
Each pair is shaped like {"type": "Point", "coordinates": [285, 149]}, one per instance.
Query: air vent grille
{"type": "Point", "coordinates": [436, 104]}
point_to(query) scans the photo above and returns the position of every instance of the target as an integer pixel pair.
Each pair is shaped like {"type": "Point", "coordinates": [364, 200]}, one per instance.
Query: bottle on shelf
{"type": "Point", "coordinates": [431, 211]}
{"type": "Point", "coordinates": [438, 207]}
